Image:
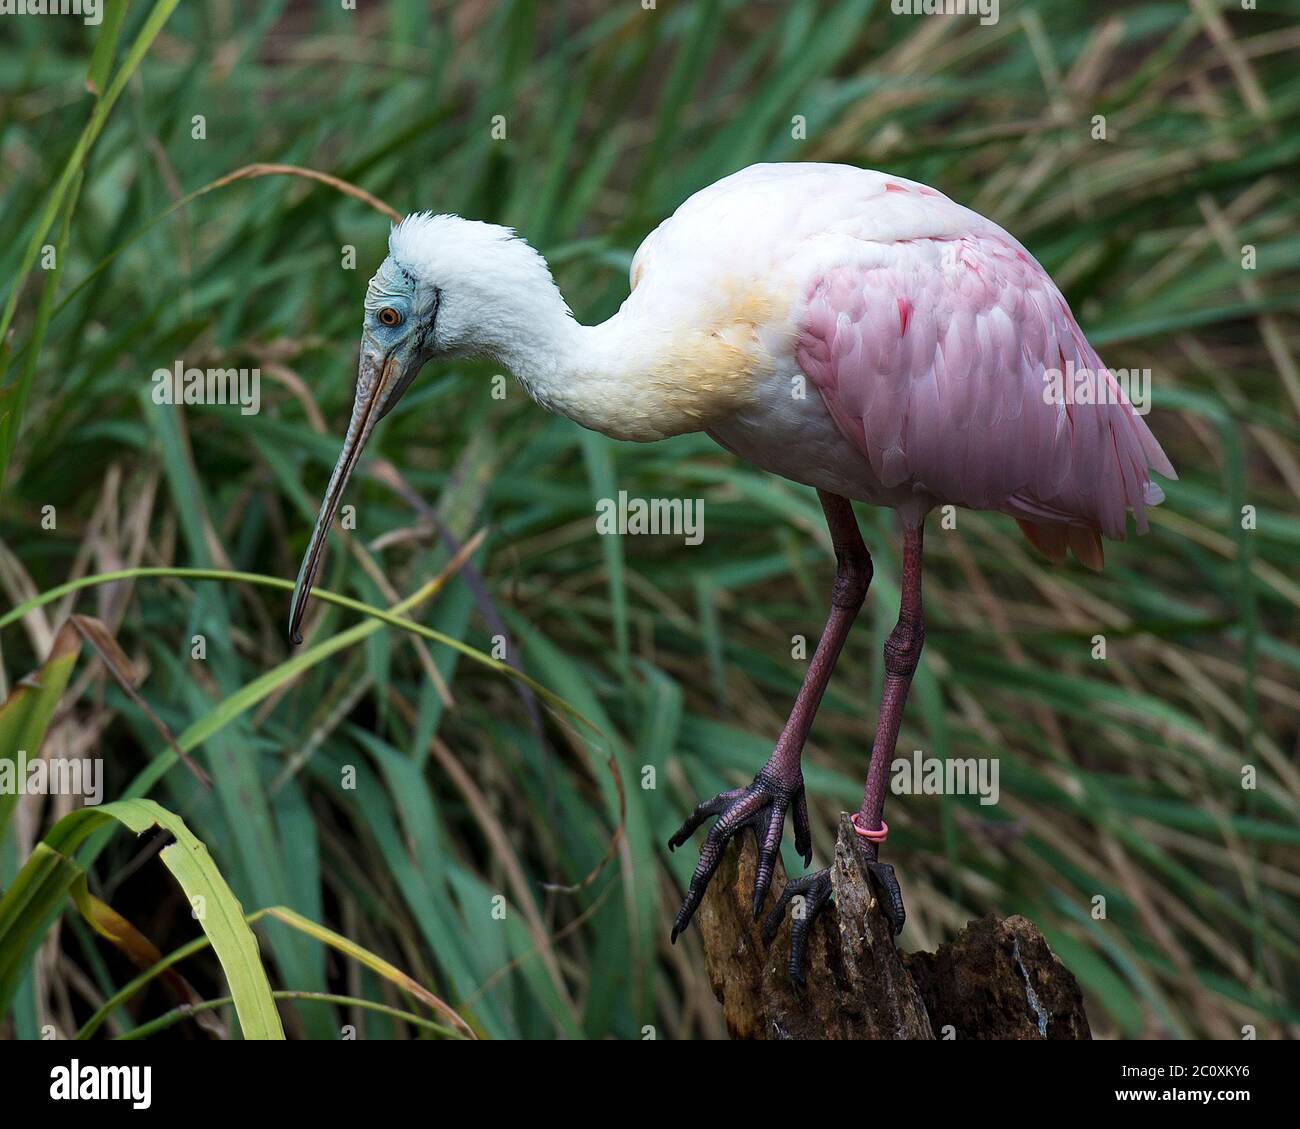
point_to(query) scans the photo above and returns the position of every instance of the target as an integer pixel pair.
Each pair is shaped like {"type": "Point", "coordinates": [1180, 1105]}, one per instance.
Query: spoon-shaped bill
{"type": "Point", "coordinates": [367, 409]}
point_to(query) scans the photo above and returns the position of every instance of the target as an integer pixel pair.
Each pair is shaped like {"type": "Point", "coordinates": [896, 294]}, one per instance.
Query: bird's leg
{"type": "Point", "coordinates": [811, 893]}
{"type": "Point", "coordinates": [778, 787]}
{"type": "Point", "coordinates": [902, 653]}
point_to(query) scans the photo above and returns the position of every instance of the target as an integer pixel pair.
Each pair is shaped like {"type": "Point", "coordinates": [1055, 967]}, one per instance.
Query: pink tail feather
{"type": "Point", "coordinates": [1053, 541]}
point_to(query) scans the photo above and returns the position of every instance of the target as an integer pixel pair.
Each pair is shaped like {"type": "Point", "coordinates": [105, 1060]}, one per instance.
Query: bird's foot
{"type": "Point", "coordinates": [892, 902]}
{"type": "Point", "coordinates": [808, 896]}
{"type": "Point", "coordinates": [762, 806]}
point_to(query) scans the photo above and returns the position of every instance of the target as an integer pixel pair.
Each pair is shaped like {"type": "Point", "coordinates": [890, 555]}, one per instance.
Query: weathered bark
{"type": "Point", "coordinates": [997, 980]}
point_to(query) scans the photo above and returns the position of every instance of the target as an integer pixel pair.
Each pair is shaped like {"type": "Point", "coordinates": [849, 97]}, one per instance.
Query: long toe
{"type": "Point", "coordinates": [761, 805]}
{"type": "Point", "coordinates": [806, 897]}
{"type": "Point", "coordinates": [816, 898]}
{"type": "Point", "coordinates": [769, 845]}
{"type": "Point", "coordinates": [891, 901]}
{"type": "Point", "coordinates": [802, 834]}
{"type": "Point", "coordinates": [738, 813]}
{"type": "Point", "coordinates": [793, 888]}
{"type": "Point", "coordinates": [702, 811]}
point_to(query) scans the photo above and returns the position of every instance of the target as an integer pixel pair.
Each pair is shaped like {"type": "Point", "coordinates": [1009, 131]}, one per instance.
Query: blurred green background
{"type": "Point", "coordinates": [1121, 778]}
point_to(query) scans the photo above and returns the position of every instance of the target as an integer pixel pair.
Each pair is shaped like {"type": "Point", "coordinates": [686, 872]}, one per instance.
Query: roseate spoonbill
{"type": "Point", "coordinates": [847, 329]}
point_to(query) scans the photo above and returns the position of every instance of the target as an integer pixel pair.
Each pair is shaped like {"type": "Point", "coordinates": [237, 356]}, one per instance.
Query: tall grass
{"type": "Point", "coordinates": [438, 813]}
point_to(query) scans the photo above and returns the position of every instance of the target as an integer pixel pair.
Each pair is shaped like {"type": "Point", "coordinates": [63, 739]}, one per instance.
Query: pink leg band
{"type": "Point", "coordinates": [877, 836]}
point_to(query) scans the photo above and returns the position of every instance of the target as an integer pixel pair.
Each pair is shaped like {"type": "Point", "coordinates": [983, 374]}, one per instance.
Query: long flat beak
{"type": "Point", "coordinates": [374, 397]}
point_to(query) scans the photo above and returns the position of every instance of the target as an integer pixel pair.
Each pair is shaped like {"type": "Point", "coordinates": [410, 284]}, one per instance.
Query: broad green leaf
{"type": "Point", "coordinates": [51, 874]}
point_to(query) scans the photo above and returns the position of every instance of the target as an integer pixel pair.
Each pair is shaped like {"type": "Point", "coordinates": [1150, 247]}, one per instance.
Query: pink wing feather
{"type": "Point", "coordinates": [931, 360]}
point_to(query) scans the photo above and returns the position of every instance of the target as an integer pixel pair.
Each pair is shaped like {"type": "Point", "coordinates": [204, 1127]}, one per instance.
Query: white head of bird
{"type": "Point", "coordinates": [458, 287]}
{"type": "Point", "coordinates": [449, 287]}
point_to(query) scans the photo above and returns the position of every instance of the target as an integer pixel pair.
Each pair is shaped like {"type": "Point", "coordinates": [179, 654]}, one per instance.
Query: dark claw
{"type": "Point", "coordinates": [762, 805]}
{"type": "Point", "coordinates": [815, 891]}
{"type": "Point", "coordinates": [892, 902]}
{"type": "Point", "coordinates": [802, 835]}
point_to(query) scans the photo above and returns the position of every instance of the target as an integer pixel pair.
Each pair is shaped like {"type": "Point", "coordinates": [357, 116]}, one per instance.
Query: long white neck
{"type": "Point", "coordinates": [636, 376]}
{"type": "Point", "coordinates": [597, 376]}
{"type": "Point", "coordinates": [678, 356]}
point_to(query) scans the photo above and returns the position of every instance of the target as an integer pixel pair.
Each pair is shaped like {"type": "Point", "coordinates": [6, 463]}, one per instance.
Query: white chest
{"type": "Point", "coordinates": [786, 429]}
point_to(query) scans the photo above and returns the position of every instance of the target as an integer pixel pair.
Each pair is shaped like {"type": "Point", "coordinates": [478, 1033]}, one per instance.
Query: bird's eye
{"type": "Point", "coordinates": [389, 316]}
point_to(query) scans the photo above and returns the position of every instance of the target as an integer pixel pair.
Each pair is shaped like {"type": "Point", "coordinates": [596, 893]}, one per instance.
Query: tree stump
{"type": "Point", "coordinates": [996, 980]}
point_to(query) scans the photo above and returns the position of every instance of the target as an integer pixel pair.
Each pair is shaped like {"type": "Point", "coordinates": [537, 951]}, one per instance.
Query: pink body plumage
{"type": "Point", "coordinates": [944, 353]}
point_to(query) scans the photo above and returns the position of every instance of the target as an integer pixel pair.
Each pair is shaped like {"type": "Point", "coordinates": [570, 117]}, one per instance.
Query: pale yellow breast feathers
{"type": "Point", "coordinates": [710, 366]}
